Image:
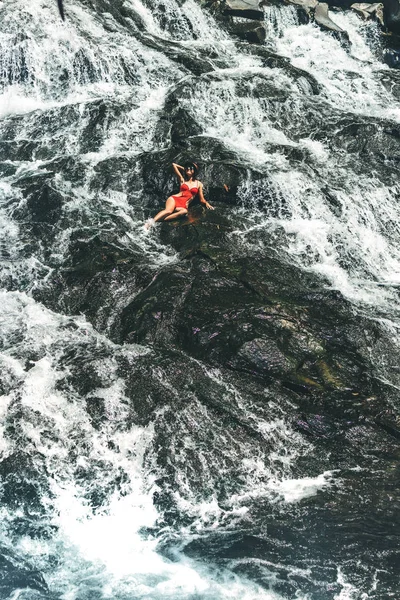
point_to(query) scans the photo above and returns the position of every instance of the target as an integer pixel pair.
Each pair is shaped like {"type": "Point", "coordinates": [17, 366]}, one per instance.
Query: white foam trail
{"type": "Point", "coordinates": [60, 63]}
{"type": "Point", "coordinates": [278, 19]}
{"type": "Point", "coordinates": [294, 490]}
{"type": "Point", "coordinates": [348, 591]}
{"type": "Point", "coordinates": [204, 26]}
{"type": "Point", "coordinates": [14, 102]}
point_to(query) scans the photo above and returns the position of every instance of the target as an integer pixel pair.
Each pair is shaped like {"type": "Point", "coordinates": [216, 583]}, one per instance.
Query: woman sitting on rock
{"type": "Point", "coordinates": [177, 206]}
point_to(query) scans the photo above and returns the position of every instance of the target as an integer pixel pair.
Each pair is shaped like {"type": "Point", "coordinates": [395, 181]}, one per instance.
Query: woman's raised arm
{"type": "Point", "coordinates": [202, 199]}
{"type": "Point", "coordinates": [177, 172]}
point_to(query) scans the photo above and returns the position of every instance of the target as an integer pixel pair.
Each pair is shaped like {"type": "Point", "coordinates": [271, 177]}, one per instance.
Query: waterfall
{"type": "Point", "coordinates": [132, 470]}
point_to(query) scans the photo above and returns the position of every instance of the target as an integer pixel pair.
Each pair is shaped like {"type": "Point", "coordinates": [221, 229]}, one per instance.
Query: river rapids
{"type": "Point", "coordinates": [208, 409]}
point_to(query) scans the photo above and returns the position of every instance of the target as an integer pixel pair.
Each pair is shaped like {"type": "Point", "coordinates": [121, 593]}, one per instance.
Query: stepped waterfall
{"type": "Point", "coordinates": [208, 409]}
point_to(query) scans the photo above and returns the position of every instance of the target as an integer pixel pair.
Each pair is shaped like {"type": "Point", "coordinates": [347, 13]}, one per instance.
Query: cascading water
{"type": "Point", "coordinates": [134, 469]}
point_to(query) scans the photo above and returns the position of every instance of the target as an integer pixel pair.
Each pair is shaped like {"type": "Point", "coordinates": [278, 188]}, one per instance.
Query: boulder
{"type": "Point", "coordinates": [306, 5]}
{"type": "Point", "coordinates": [323, 19]}
{"type": "Point", "coordinates": [390, 15]}
{"type": "Point", "coordinates": [369, 10]}
{"type": "Point", "coordinates": [252, 32]}
{"type": "Point", "coordinates": [248, 9]}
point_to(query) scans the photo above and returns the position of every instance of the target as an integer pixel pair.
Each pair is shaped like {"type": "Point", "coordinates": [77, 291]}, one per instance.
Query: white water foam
{"type": "Point", "coordinates": [294, 490]}
{"type": "Point", "coordinates": [107, 550]}
{"type": "Point", "coordinates": [348, 81]}
{"type": "Point", "coordinates": [356, 250]}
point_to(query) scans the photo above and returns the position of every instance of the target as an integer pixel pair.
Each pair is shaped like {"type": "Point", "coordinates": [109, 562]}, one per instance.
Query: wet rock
{"type": "Point", "coordinates": [252, 32]}
{"type": "Point", "coordinates": [263, 355]}
{"type": "Point", "coordinates": [38, 529]}
{"type": "Point", "coordinates": [244, 326]}
{"type": "Point", "coordinates": [375, 142]}
{"type": "Point", "coordinates": [389, 421]}
{"type": "Point", "coordinates": [83, 374]}
{"type": "Point", "coordinates": [89, 256]}
{"type": "Point", "coordinates": [322, 426]}
{"type": "Point", "coordinates": [146, 392]}
{"type": "Point", "coordinates": [86, 282]}
{"type": "Point", "coordinates": [369, 10]}
{"type": "Point", "coordinates": [323, 19]}
{"type": "Point", "coordinates": [101, 481]}
{"type": "Point", "coordinates": [248, 9]}
{"type": "Point", "coordinates": [44, 203]}
{"type": "Point", "coordinates": [97, 411]}
{"type": "Point", "coordinates": [250, 85]}
{"type": "Point", "coordinates": [182, 126]}
{"type": "Point", "coordinates": [150, 317]}
{"type": "Point", "coordinates": [333, 200]}
{"type": "Point", "coordinates": [391, 82]}
{"type": "Point", "coordinates": [184, 56]}
{"type": "Point", "coordinates": [112, 173]}
{"type": "Point", "coordinates": [391, 11]}
{"type": "Point", "coordinates": [274, 61]}
{"type": "Point", "coordinates": [7, 169]}
{"type": "Point", "coordinates": [306, 5]}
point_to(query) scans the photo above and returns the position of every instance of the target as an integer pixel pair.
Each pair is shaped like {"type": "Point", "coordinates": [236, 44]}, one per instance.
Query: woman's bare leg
{"type": "Point", "coordinates": [169, 209]}
{"type": "Point", "coordinates": [180, 212]}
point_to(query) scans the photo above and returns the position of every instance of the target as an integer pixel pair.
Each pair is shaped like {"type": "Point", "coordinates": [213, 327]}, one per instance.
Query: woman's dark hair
{"type": "Point", "coordinates": [194, 167]}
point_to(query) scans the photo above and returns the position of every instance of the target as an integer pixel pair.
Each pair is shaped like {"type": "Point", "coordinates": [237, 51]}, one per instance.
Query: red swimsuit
{"type": "Point", "coordinates": [187, 194]}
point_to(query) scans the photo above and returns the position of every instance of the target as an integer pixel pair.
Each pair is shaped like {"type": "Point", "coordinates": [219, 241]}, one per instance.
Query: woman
{"type": "Point", "coordinates": [177, 206]}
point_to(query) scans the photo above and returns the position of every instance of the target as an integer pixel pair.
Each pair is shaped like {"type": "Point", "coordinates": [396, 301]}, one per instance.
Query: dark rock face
{"type": "Point", "coordinates": [263, 355]}
{"type": "Point", "coordinates": [285, 330]}
{"type": "Point", "coordinates": [241, 315]}
{"type": "Point", "coordinates": [254, 33]}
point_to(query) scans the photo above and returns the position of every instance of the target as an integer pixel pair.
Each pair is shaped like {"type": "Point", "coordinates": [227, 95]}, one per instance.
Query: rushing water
{"type": "Point", "coordinates": [130, 474]}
